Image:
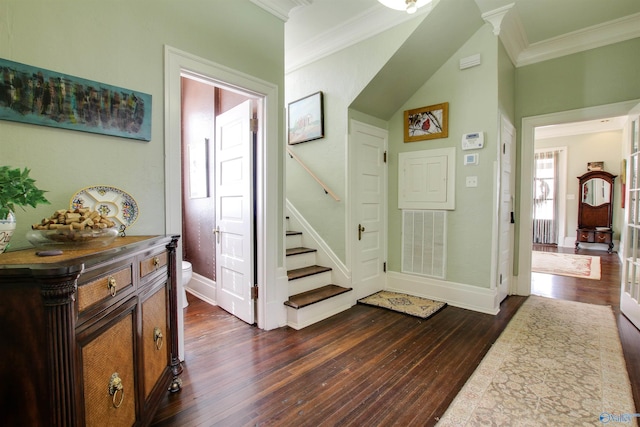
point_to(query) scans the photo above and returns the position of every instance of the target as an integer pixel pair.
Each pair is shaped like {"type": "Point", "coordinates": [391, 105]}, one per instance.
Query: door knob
{"type": "Point", "coordinates": [216, 231]}
{"type": "Point", "coordinates": [360, 230]}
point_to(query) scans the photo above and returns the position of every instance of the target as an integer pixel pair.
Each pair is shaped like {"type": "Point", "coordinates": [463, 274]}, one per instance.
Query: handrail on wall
{"type": "Point", "coordinates": [326, 189]}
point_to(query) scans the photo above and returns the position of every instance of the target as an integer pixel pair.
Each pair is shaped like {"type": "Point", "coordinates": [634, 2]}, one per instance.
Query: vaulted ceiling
{"type": "Point", "coordinates": [531, 31]}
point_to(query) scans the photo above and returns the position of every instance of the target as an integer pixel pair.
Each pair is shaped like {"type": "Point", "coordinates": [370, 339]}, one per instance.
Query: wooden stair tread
{"type": "Point", "coordinates": [298, 273]}
{"type": "Point", "coordinates": [315, 295]}
{"type": "Point", "coordinates": [300, 250]}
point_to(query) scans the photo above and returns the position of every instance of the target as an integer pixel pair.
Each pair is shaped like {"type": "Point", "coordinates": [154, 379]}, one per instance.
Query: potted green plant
{"type": "Point", "coordinates": [16, 189]}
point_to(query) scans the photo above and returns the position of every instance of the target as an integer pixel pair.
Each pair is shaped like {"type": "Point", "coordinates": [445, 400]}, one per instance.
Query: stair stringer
{"type": "Point", "coordinates": [341, 275]}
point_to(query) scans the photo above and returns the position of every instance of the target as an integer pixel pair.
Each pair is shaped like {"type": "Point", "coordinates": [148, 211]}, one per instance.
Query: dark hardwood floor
{"type": "Point", "coordinates": [365, 366]}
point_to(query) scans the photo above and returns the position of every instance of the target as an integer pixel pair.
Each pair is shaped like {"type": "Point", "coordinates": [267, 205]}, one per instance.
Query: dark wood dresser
{"type": "Point", "coordinates": [89, 337]}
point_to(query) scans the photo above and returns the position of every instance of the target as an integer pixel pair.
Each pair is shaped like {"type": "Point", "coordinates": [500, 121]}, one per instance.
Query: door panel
{"type": "Point", "coordinates": [369, 145]}
{"type": "Point", "coordinates": [507, 229]}
{"type": "Point", "coordinates": [234, 212]}
{"type": "Point", "coordinates": [630, 286]}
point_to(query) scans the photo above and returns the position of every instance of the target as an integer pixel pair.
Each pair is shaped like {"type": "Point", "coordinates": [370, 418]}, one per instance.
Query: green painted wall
{"type": "Point", "coordinates": [473, 107]}
{"type": "Point", "coordinates": [121, 43]}
{"type": "Point", "coordinates": [595, 77]}
{"type": "Point", "coordinates": [341, 77]}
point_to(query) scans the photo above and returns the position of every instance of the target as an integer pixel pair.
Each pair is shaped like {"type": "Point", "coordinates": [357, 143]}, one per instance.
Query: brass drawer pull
{"type": "Point", "coordinates": [115, 386]}
{"type": "Point", "coordinates": [111, 283]}
{"type": "Point", "coordinates": [156, 261]}
{"type": "Point", "coordinates": [157, 337]}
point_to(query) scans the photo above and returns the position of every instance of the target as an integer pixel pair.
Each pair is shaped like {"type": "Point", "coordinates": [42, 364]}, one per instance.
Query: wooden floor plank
{"type": "Point", "coordinates": [365, 366]}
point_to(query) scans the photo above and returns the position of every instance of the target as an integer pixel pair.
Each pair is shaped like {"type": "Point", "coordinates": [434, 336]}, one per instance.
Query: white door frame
{"type": "Point", "coordinates": [269, 202]}
{"type": "Point", "coordinates": [525, 218]}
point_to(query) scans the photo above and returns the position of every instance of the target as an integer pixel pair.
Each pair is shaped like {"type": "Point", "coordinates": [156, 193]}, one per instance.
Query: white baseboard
{"type": "Point", "coordinates": [203, 288]}
{"type": "Point", "coordinates": [469, 297]}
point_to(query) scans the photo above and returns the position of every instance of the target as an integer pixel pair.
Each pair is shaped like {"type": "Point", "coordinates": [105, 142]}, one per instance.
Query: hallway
{"type": "Point", "coordinates": [365, 366]}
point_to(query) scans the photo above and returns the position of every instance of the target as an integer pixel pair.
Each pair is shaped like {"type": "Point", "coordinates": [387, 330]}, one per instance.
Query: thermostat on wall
{"type": "Point", "coordinates": [471, 159]}
{"type": "Point", "coordinates": [472, 141]}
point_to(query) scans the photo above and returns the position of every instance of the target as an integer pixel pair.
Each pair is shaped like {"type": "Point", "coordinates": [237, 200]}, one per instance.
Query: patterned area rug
{"type": "Point", "coordinates": [408, 304]}
{"type": "Point", "coordinates": [557, 363]}
{"type": "Point", "coordinates": [584, 266]}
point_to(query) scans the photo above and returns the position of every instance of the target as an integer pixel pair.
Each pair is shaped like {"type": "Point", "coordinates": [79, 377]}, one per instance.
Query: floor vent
{"type": "Point", "coordinates": [424, 242]}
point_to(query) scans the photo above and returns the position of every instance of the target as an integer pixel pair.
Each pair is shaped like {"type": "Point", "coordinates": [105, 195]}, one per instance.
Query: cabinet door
{"type": "Point", "coordinates": [108, 375]}
{"type": "Point", "coordinates": [155, 339]}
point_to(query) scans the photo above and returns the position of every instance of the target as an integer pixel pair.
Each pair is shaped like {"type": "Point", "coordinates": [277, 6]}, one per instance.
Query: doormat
{"type": "Point", "coordinates": [573, 265]}
{"type": "Point", "coordinates": [403, 303]}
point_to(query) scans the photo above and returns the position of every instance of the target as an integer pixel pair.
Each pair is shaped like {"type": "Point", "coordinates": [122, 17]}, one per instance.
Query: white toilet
{"type": "Point", "coordinates": [187, 272]}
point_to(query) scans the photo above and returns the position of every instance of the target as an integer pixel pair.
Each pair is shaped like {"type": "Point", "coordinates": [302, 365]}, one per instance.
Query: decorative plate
{"type": "Point", "coordinates": [111, 202]}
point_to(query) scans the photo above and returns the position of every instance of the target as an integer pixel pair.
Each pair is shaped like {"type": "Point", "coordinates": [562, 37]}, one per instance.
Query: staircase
{"type": "Point", "coordinates": [312, 296]}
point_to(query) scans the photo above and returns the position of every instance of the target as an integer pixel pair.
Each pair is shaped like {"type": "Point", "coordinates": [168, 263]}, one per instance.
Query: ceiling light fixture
{"type": "Point", "coordinates": [410, 6]}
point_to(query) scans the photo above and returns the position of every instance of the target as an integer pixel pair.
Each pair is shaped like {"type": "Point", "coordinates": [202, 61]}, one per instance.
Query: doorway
{"type": "Point", "coordinates": [203, 103]}
{"type": "Point", "coordinates": [530, 126]}
{"type": "Point", "coordinates": [271, 275]}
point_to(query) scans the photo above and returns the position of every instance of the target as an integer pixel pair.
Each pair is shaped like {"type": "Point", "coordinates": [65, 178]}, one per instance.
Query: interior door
{"type": "Point", "coordinates": [369, 192]}
{"type": "Point", "coordinates": [234, 212]}
{"type": "Point", "coordinates": [630, 287]}
{"type": "Point", "coordinates": [506, 224]}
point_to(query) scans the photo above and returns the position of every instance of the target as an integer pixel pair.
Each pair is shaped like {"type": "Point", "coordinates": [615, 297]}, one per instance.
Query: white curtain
{"type": "Point", "coordinates": [545, 206]}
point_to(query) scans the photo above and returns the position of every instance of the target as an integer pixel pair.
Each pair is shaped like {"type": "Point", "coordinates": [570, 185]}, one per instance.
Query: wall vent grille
{"type": "Point", "coordinates": [424, 242]}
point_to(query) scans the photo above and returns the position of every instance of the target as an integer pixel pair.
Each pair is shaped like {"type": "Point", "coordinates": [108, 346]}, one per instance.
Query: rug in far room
{"type": "Point", "coordinates": [573, 265]}
{"type": "Point", "coordinates": [403, 303]}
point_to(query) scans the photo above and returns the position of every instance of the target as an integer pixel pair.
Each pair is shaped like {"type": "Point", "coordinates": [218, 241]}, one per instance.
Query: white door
{"type": "Point", "coordinates": [368, 145]}
{"type": "Point", "coordinates": [506, 227]}
{"type": "Point", "coordinates": [234, 212]}
{"type": "Point", "coordinates": [630, 286]}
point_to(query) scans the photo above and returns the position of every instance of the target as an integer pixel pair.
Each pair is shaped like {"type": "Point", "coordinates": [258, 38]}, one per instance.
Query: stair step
{"type": "Point", "coordinates": [299, 273]}
{"type": "Point", "coordinates": [316, 295]}
{"type": "Point", "coordinates": [300, 250]}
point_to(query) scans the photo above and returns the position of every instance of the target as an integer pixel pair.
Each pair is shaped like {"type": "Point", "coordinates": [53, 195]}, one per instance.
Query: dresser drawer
{"type": "Point", "coordinates": [601, 237]}
{"type": "Point", "coordinates": [104, 287]}
{"type": "Point", "coordinates": [153, 263]}
{"type": "Point", "coordinates": [585, 236]}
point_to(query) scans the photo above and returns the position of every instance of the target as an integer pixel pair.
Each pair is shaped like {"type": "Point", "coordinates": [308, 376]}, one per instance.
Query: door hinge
{"type": "Point", "coordinates": [384, 157]}
{"type": "Point", "coordinates": [384, 267]}
{"type": "Point", "coordinates": [253, 124]}
{"type": "Point", "coordinates": [501, 278]}
{"type": "Point", "coordinates": [254, 292]}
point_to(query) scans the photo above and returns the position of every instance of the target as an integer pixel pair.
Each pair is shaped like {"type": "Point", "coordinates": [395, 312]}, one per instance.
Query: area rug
{"type": "Point", "coordinates": [556, 363]}
{"type": "Point", "coordinates": [408, 304]}
{"type": "Point", "coordinates": [574, 265]}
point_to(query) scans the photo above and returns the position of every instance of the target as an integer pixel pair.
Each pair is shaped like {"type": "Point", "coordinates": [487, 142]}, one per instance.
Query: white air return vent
{"type": "Point", "coordinates": [424, 242]}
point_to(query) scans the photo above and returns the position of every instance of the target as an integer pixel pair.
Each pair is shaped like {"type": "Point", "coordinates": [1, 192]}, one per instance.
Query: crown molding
{"type": "Point", "coordinates": [281, 8]}
{"type": "Point", "coordinates": [604, 34]}
{"type": "Point", "coordinates": [369, 23]}
{"type": "Point", "coordinates": [508, 26]}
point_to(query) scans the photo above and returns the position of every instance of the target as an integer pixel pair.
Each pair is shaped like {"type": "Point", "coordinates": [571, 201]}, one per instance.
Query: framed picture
{"type": "Point", "coordinates": [47, 98]}
{"type": "Point", "coordinates": [426, 123]}
{"type": "Point", "coordinates": [306, 120]}
{"type": "Point", "coordinates": [595, 166]}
